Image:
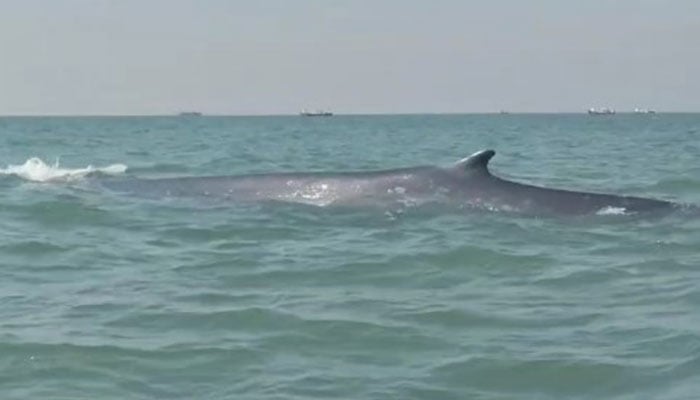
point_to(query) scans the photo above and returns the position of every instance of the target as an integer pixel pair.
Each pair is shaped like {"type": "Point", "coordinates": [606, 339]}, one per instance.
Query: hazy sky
{"type": "Point", "coordinates": [351, 56]}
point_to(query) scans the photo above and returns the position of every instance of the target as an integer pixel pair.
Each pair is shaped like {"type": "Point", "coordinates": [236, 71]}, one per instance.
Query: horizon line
{"type": "Point", "coordinates": [204, 114]}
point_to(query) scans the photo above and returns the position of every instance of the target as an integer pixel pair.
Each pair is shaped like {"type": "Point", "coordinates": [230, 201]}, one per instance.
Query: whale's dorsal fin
{"type": "Point", "coordinates": [476, 162]}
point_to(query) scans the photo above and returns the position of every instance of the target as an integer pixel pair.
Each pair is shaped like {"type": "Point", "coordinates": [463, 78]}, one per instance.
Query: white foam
{"type": "Point", "coordinates": [36, 170]}
{"type": "Point", "coordinates": [612, 211]}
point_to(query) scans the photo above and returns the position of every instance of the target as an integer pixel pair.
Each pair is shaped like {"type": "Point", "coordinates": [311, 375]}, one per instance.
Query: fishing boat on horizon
{"type": "Point", "coordinates": [190, 114]}
{"type": "Point", "coordinates": [601, 111]}
{"type": "Point", "coordinates": [316, 113]}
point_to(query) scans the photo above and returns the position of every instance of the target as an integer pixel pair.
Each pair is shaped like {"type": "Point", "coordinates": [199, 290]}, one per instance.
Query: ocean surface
{"type": "Point", "coordinates": [106, 296]}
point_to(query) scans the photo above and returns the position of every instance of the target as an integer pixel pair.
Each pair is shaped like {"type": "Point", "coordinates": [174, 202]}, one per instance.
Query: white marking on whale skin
{"type": "Point", "coordinates": [318, 194]}
{"type": "Point", "coordinates": [397, 190]}
{"type": "Point", "coordinates": [408, 202]}
{"type": "Point", "coordinates": [490, 205]}
{"type": "Point", "coordinates": [498, 208]}
{"type": "Point", "coordinates": [315, 191]}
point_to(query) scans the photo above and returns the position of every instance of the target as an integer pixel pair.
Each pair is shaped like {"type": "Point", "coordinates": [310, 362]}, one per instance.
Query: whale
{"type": "Point", "coordinates": [466, 184]}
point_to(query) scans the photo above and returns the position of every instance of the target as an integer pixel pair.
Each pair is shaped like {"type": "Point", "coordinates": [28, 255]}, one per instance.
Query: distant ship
{"type": "Point", "coordinates": [644, 111]}
{"type": "Point", "coordinates": [601, 111]}
{"type": "Point", "coordinates": [190, 114]}
{"type": "Point", "coordinates": [317, 113]}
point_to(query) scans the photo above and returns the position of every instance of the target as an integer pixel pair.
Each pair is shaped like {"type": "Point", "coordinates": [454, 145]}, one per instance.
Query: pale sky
{"type": "Point", "coordinates": [351, 56]}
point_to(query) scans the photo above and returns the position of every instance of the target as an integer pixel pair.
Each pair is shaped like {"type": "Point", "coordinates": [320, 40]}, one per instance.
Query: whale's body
{"type": "Point", "coordinates": [467, 184]}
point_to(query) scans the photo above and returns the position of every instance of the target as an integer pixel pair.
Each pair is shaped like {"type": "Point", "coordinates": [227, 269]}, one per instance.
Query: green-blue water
{"type": "Point", "coordinates": [116, 297]}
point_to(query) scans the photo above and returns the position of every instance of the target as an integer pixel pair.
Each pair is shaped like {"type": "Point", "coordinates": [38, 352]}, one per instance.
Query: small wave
{"type": "Point", "coordinates": [681, 185]}
{"type": "Point", "coordinates": [36, 170]}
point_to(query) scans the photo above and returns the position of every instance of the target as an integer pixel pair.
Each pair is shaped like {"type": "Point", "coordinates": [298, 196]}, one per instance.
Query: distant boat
{"type": "Point", "coordinates": [317, 113]}
{"type": "Point", "coordinates": [601, 111]}
{"type": "Point", "coordinates": [644, 111]}
{"type": "Point", "coordinates": [190, 114]}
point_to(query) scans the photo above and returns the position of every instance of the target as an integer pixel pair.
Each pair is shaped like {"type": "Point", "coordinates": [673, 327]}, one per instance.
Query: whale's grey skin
{"type": "Point", "coordinates": [467, 184]}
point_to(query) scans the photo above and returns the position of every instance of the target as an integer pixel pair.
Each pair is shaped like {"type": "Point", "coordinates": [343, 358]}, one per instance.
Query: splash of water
{"type": "Point", "coordinates": [36, 170]}
{"type": "Point", "coordinates": [612, 211]}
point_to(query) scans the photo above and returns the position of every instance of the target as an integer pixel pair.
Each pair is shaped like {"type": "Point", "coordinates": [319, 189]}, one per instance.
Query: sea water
{"type": "Point", "coordinates": [104, 296]}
